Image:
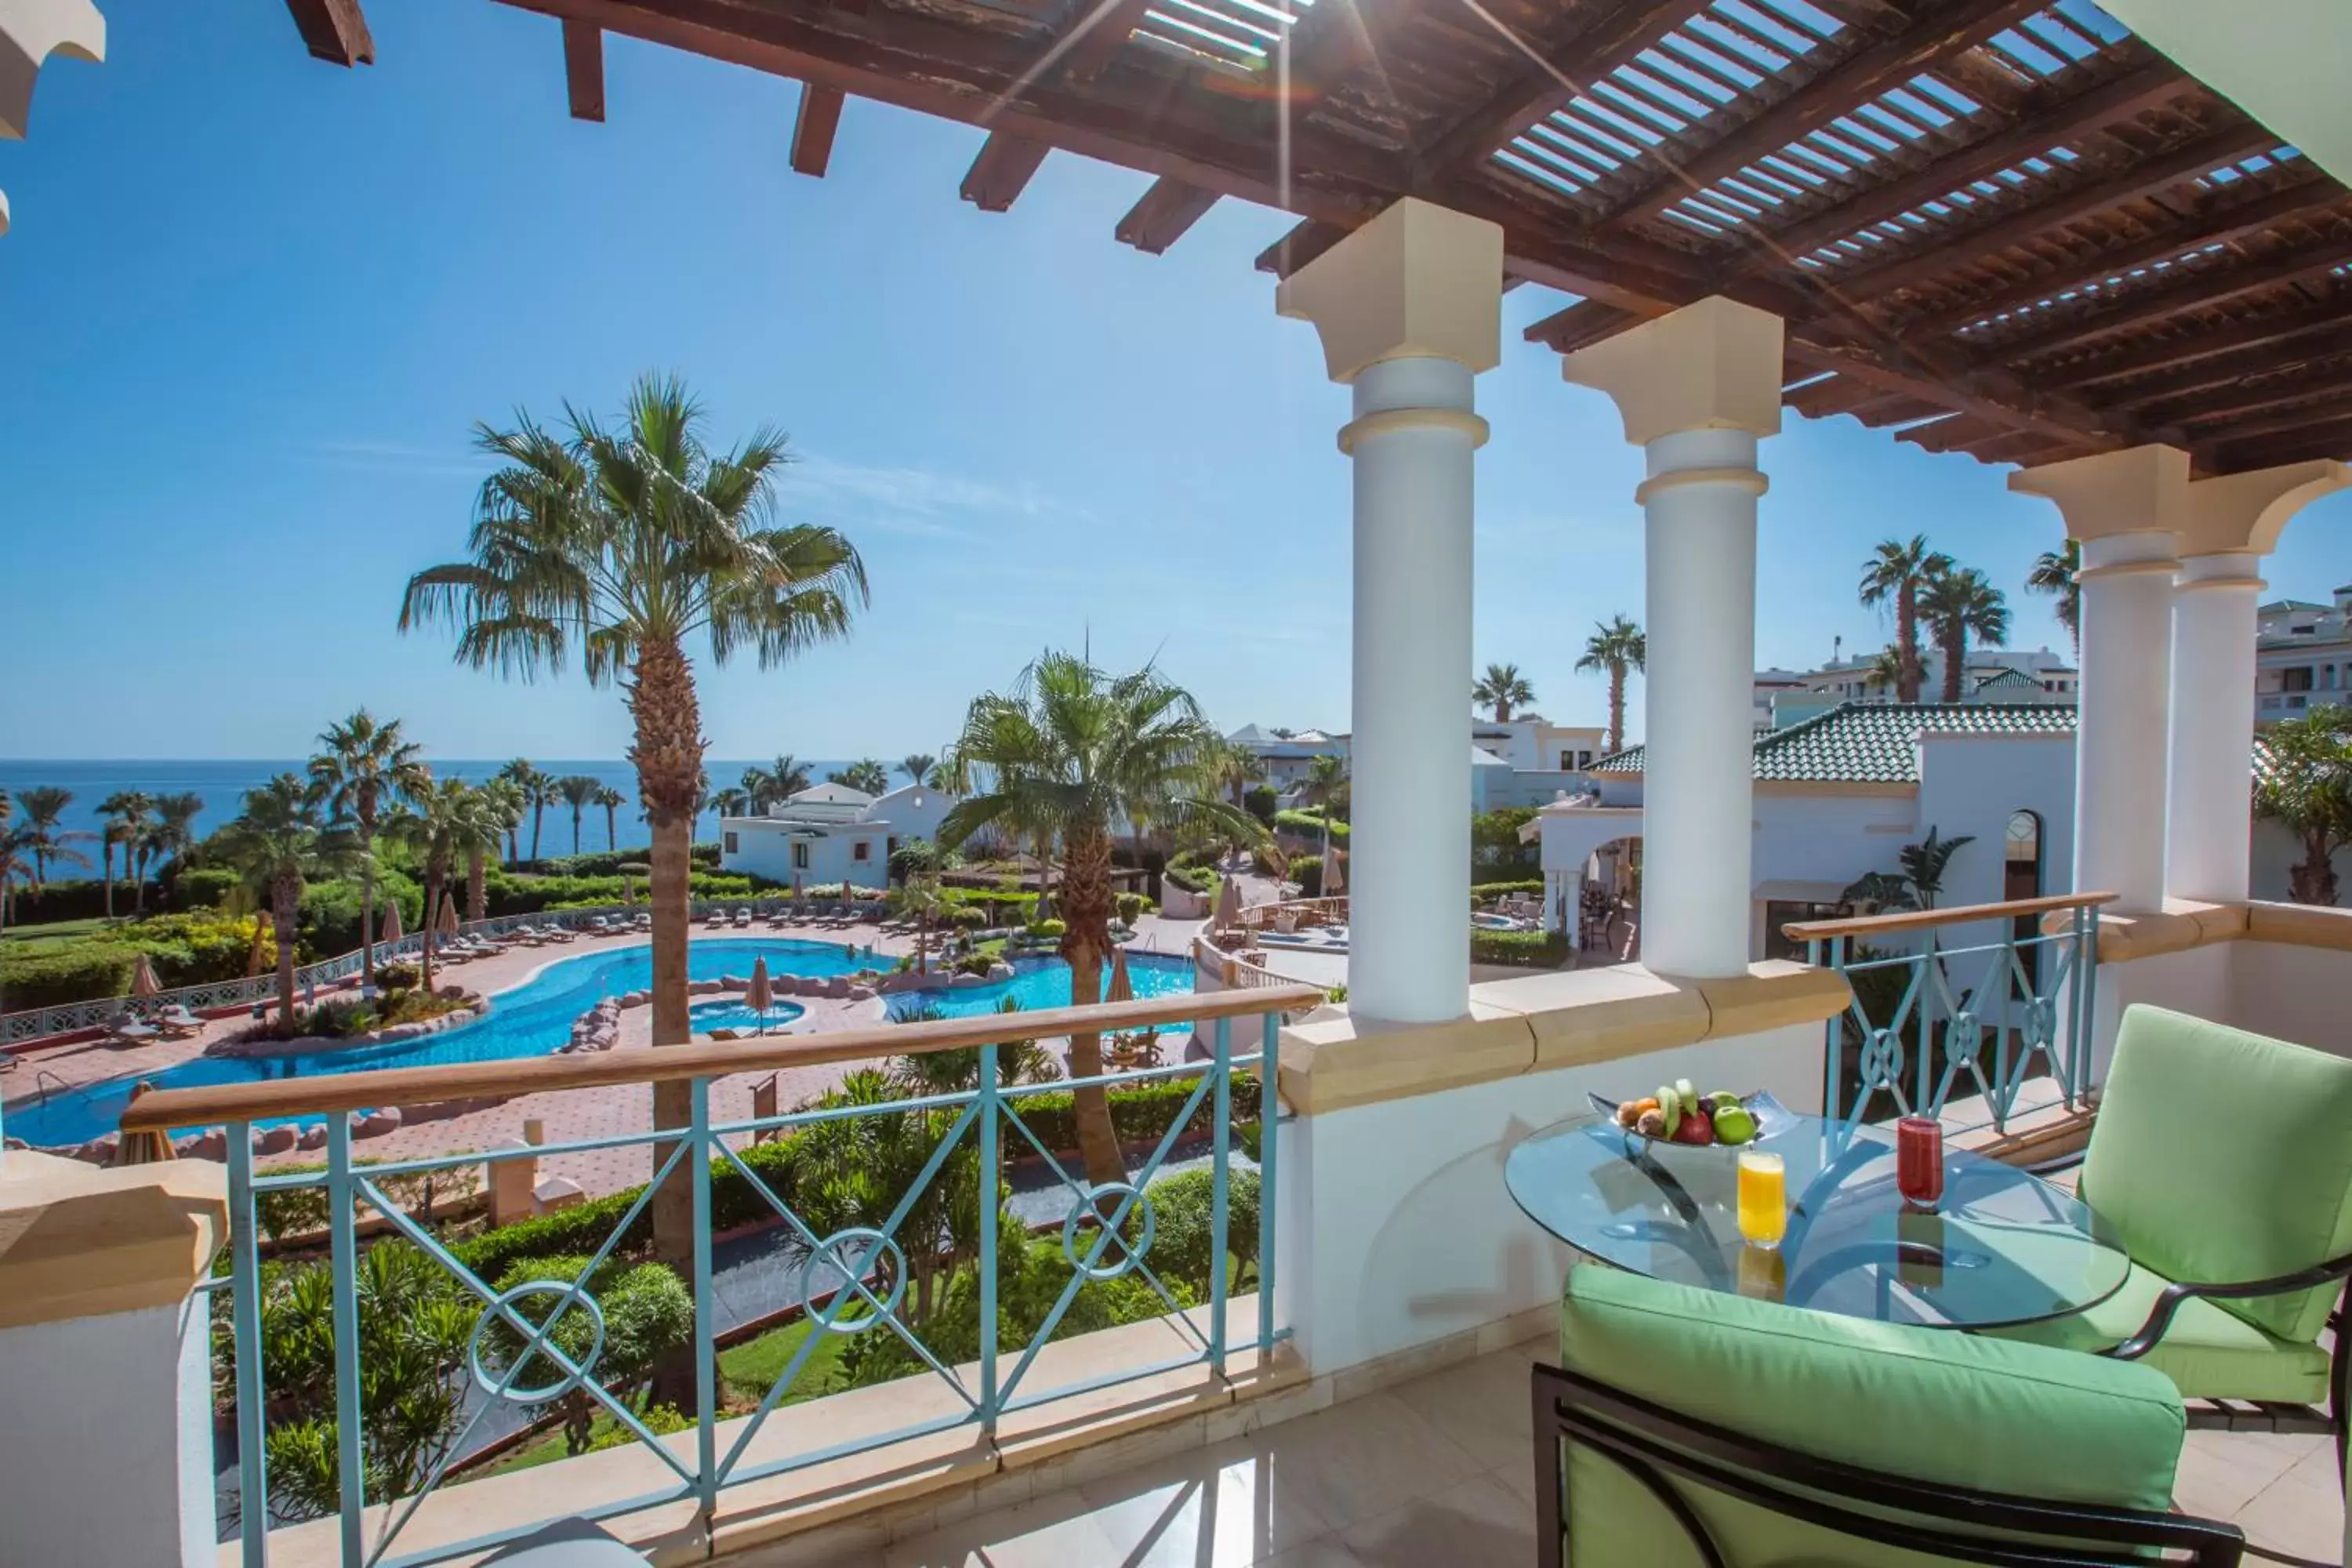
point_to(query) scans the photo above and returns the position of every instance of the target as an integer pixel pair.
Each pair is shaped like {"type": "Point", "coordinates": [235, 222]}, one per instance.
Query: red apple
{"type": "Point", "coordinates": [1697, 1127]}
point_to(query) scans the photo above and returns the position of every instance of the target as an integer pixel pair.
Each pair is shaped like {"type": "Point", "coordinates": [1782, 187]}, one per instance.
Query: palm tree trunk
{"type": "Point", "coordinates": [612, 830]}
{"type": "Point", "coordinates": [1616, 706]}
{"type": "Point", "coordinates": [432, 878]}
{"type": "Point", "coordinates": [1906, 638]}
{"type": "Point", "coordinates": [1956, 658]}
{"type": "Point", "coordinates": [139, 883]}
{"type": "Point", "coordinates": [367, 909]}
{"type": "Point", "coordinates": [282, 911]}
{"type": "Point", "coordinates": [514, 846]}
{"type": "Point", "coordinates": [1085, 911]}
{"type": "Point", "coordinates": [668, 757]}
{"type": "Point", "coordinates": [106, 870]}
{"type": "Point", "coordinates": [477, 896]}
{"type": "Point", "coordinates": [538, 814]}
{"type": "Point", "coordinates": [575, 830]}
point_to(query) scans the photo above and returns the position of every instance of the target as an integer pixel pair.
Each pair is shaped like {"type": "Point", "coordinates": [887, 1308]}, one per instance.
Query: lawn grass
{"type": "Point", "coordinates": [747, 1370]}
{"type": "Point", "coordinates": [56, 933]}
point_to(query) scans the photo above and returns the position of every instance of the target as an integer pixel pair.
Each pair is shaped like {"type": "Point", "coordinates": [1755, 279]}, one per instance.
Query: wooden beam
{"type": "Point", "coordinates": [2331, 438]}
{"type": "Point", "coordinates": [1330, 44]}
{"type": "Point", "coordinates": [1161, 217]}
{"type": "Point", "coordinates": [334, 31]}
{"type": "Point", "coordinates": [2023, 447]}
{"type": "Point", "coordinates": [1948, 434]}
{"type": "Point", "coordinates": [1563, 73]}
{"type": "Point", "coordinates": [2244, 381]}
{"type": "Point", "coordinates": [1892, 408]}
{"type": "Point", "coordinates": [1582, 324]}
{"type": "Point", "coordinates": [2212, 227]}
{"type": "Point", "coordinates": [2181, 290]}
{"type": "Point", "coordinates": [2166, 353]}
{"type": "Point", "coordinates": [814, 126]}
{"type": "Point", "coordinates": [1300, 245]}
{"type": "Point", "coordinates": [2121, 98]}
{"type": "Point", "coordinates": [1945, 246]}
{"type": "Point", "coordinates": [1939, 33]}
{"type": "Point", "coordinates": [583, 70]}
{"type": "Point", "coordinates": [1000, 173]}
{"type": "Point", "coordinates": [1092, 35]}
{"type": "Point", "coordinates": [2232, 431]}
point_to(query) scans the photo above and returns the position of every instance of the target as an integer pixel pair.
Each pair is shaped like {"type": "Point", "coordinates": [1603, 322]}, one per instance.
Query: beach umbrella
{"type": "Point", "coordinates": [761, 995]}
{"type": "Point", "coordinates": [391, 931]}
{"type": "Point", "coordinates": [1229, 903]}
{"type": "Point", "coordinates": [1122, 989]}
{"type": "Point", "coordinates": [448, 925]}
{"type": "Point", "coordinates": [143, 977]}
{"type": "Point", "coordinates": [1335, 880]}
{"type": "Point", "coordinates": [146, 1148]}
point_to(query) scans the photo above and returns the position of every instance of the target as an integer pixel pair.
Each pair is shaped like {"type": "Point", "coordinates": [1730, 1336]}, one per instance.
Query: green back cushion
{"type": "Point", "coordinates": [2224, 1156]}
{"type": "Point", "coordinates": [1929, 1405]}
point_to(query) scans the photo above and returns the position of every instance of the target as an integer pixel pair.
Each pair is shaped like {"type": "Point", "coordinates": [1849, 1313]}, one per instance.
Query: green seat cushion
{"type": "Point", "coordinates": [2206, 1352]}
{"type": "Point", "coordinates": [2221, 1156]}
{"type": "Point", "coordinates": [1955, 1409]}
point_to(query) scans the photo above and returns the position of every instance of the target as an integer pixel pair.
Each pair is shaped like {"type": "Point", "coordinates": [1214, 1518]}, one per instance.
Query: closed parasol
{"type": "Point", "coordinates": [1122, 989]}
{"type": "Point", "coordinates": [1335, 880]}
{"type": "Point", "coordinates": [147, 1147]}
{"type": "Point", "coordinates": [760, 994]}
{"type": "Point", "coordinates": [143, 977]}
{"type": "Point", "coordinates": [391, 931]}
{"type": "Point", "coordinates": [447, 924]}
{"type": "Point", "coordinates": [1229, 904]}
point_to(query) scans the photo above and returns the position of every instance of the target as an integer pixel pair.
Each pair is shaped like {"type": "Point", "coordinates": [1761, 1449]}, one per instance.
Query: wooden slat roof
{"type": "Point", "coordinates": [2004, 227]}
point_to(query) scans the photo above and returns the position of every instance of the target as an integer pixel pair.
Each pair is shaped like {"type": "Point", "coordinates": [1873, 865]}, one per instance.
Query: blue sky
{"type": "Point", "coordinates": [251, 305]}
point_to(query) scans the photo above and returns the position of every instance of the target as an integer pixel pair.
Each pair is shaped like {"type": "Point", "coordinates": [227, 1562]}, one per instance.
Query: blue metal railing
{"type": "Point", "coordinates": [1982, 1018]}
{"type": "Point", "coordinates": [853, 1279]}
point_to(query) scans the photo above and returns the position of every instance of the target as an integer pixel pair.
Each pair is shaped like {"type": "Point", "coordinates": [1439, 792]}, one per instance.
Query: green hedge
{"type": "Point", "coordinates": [196, 948]}
{"type": "Point", "coordinates": [1528, 949]}
{"type": "Point", "coordinates": [1309, 823]}
{"type": "Point", "coordinates": [75, 973]}
{"type": "Point", "coordinates": [608, 862]}
{"type": "Point", "coordinates": [1496, 889]}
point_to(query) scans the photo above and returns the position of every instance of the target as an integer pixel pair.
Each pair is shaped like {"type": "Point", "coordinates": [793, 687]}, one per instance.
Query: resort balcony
{"type": "Point", "coordinates": [1301, 1329]}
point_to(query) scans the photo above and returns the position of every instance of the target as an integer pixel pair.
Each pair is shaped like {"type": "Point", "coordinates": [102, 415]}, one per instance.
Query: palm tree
{"type": "Point", "coordinates": [126, 813]}
{"type": "Point", "coordinates": [763, 787]}
{"type": "Point", "coordinates": [1616, 646]}
{"type": "Point", "coordinates": [918, 766]}
{"type": "Point", "coordinates": [1885, 672]}
{"type": "Point", "coordinates": [501, 808]}
{"type": "Point", "coordinates": [1238, 767]}
{"type": "Point", "coordinates": [447, 823]}
{"type": "Point", "coordinates": [577, 791]}
{"type": "Point", "coordinates": [619, 545]}
{"type": "Point", "coordinates": [1956, 601]}
{"type": "Point", "coordinates": [15, 865]}
{"type": "Point", "coordinates": [730, 803]}
{"type": "Point", "coordinates": [2054, 571]}
{"type": "Point", "coordinates": [1896, 571]}
{"type": "Point", "coordinates": [1069, 752]}
{"type": "Point", "coordinates": [611, 800]}
{"type": "Point", "coordinates": [51, 843]}
{"type": "Point", "coordinates": [280, 843]}
{"type": "Point", "coordinates": [867, 774]}
{"type": "Point", "coordinates": [1917, 885]}
{"type": "Point", "coordinates": [365, 767]}
{"type": "Point", "coordinates": [1502, 688]}
{"type": "Point", "coordinates": [1324, 788]}
{"type": "Point", "coordinates": [527, 781]}
{"type": "Point", "coordinates": [172, 837]}
{"type": "Point", "coordinates": [2308, 789]}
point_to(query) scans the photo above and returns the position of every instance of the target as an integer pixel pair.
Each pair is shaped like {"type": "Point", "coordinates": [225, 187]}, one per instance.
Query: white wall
{"type": "Point", "coordinates": [914, 811]}
{"type": "Point", "coordinates": [764, 850]}
{"type": "Point", "coordinates": [1396, 1228]}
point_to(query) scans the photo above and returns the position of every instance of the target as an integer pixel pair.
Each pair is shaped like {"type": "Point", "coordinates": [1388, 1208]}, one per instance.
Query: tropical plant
{"type": "Point", "coordinates": [363, 768]}
{"type": "Point", "coordinates": [577, 791]}
{"type": "Point", "coordinates": [918, 766]}
{"type": "Point", "coordinates": [643, 1312]}
{"type": "Point", "coordinates": [732, 802]}
{"type": "Point", "coordinates": [499, 810]}
{"type": "Point", "coordinates": [2305, 786]}
{"type": "Point", "coordinates": [1896, 572]}
{"type": "Point", "coordinates": [2053, 572]}
{"type": "Point", "coordinates": [1616, 646]}
{"type": "Point", "coordinates": [1956, 603]}
{"type": "Point", "coordinates": [619, 544]}
{"type": "Point", "coordinates": [867, 774]}
{"type": "Point", "coordinates": [172, 837]}
{"type": "Point", "coordinates": [15, 865]}
{"type": "Point", "coordinates": [1501, 689]}
{"type": "Point", "coordinates": [43, 808]}
{"type": "Point", "coordinates": [1917, 885]}
{"type": "Point", "coordinates": [1325, 789]}
{"type": "Point", "coordinates": [530, 787]}
{"type": "Point", "coordinates": [1069, 752]}
{"type": "Point", "coordinates": [1238, 767]}
{"type": "Point", "coordinates": [279, 844]}
{"type": "Point", "coordinates": [126, 813]}
{"type": "Point", "coordinates": [1885, 672]}
{"type": "Point", "coordinates": [446, 824]}
{"type": "Point", "coordinates": [611, 800]}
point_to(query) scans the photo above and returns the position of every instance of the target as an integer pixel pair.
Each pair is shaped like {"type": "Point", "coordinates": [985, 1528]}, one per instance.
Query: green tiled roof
{"type": "Point", "coordinates": [2007, 678]}
{"type": "Point", "coordinates": [1873, 742]}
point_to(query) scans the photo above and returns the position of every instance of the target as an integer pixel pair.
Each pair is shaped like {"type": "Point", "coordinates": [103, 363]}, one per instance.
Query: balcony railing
{"type": "Point", "coordinates": [1932, 1022]}
{"type": "Point", "coordinates": [874, 1251]}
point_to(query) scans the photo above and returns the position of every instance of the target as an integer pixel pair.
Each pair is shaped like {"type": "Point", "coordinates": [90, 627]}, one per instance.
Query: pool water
{"type": "Point", "coordinates": [532, 1019]}
{"type": "Point", "coordinates": [1041, 983]}
{"type": "Point", "coordinates": [733, 1014]}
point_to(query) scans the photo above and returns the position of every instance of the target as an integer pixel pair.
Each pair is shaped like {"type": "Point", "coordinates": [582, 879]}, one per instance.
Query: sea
{"type": "Point", "coordinates": [223, 783]}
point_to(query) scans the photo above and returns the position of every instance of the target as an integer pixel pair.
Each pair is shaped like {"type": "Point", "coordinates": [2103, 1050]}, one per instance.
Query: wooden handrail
{"type": "Point", "coordinates": [170, 1107]}
{"type": "Point", "coordinates": [1923, 919]}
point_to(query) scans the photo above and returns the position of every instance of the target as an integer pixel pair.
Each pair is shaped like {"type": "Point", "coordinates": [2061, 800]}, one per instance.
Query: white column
{"type": "Point", "coordinates": [1698, 389]}
{"type": "Point", "coordinates": [2208, 823]}
{"type": "Point", "coordinates": [2121, 727]}
{"type": "Point", "coordinates": [2128, 508]}
{"type": "Point", "coordinates": [1408, 309]}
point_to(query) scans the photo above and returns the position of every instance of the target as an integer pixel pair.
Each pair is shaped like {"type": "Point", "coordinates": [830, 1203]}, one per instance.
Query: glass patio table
{"type": "Point", "coordinates": [2002, 1248]}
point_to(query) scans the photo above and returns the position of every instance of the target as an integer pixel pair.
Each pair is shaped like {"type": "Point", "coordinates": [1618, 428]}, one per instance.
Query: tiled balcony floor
{"type": "Point", "coordinates": [1436, 1473]}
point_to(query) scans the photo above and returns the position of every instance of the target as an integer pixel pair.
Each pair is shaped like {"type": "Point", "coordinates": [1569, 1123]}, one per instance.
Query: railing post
{"type": "Point", "coordinates": [1270, 1105]}
{"type": "Point", "coordinates": [342, 1221]}
{"type": "Point", "coordinates": [1833, 1033]}
{"type": "Point", "coordinates": [2086, 1003]}
{"type": "Point", "coordinates": [1221, 1167]}
{"type": "Point", "coordinates": [991, 1180]}
{"type": "Point", "coordinates": [245, 1328]}
{"type": "Point", "coordinates": [706, 1324]}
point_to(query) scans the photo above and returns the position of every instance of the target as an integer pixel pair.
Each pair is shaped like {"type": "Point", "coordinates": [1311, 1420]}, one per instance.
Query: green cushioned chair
{"type": "Point", "coordinates": [2225, 1160]}
{"type": "Point", "coordinates": [1685, 1428]}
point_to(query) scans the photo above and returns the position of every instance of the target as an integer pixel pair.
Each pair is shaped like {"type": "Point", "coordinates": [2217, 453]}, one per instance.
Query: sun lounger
{"type": "Point", "coordinates": [132, 1034]}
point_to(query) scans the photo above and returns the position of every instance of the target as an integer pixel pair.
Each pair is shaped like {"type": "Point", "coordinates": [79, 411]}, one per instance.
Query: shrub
{"type": "Point", "coordinates": [1131, 907]}
{"type": "Point", "coordinates": [1306, 871]}
{"type": "Point", "coordinates": [1047, 930]}
{"type": "Point", "coordinates": [611, 862]}
{"type": "Point", "coordinates": [1258, 801]}
{"type": "Point", "coordinates": [1495, 852]}
{"type": "Point", "coordinates": [1485, 891]}
{"type": "Point", "coordinates": [204, 887]}
{"type": "Point", "coordinates": [76, 971]}
{"type": "Point", "coordinates": [1528, 949]}
{"type": "Point", "coordinates": [1192, 879]}
{"type": "Point", "coordinates": [1183, 1214]}
{"type": "Point", "coordinates": [965, 917]}
{"type": "Point", "coordinates": [1310, 825]}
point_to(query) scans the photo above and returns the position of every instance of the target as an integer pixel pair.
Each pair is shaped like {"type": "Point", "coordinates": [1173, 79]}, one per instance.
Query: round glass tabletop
{"type": "Point", "coordinates": [2002, 1246]}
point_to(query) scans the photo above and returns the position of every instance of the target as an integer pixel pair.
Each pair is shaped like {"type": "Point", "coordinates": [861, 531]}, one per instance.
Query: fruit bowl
{"type": "Point", "coordinates": [1678, 1115]}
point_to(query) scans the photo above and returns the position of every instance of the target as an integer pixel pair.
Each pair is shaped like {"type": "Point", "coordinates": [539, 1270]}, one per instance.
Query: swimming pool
{"type": "Point", "coordinates": [730, 1013]}
{"type": "Point", "coordinates": [532, 1019]}
{"type": "Point", "coordinates": [1040, 983]}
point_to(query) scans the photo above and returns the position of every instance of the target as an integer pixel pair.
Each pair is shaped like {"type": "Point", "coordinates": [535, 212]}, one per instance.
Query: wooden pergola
{"type": "Point", "coordinates": [2003, 228]}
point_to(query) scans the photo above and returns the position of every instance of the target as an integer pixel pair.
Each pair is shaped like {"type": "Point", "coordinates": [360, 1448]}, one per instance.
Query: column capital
{"type": "Point", "coordinates": [1712, 365]}
{"type": "Point", "coordinates": [2244, 514]}
{"type": "Point", "coordinates": [2140, 489]}
{"type": "Point", "coordinates": [80, 1242]}
{"type": "Point", "coordinates": [1418, 281]}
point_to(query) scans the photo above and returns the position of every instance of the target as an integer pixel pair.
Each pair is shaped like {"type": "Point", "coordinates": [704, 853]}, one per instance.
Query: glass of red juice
{"type": "Point", "coordinates": [1919, 1161]}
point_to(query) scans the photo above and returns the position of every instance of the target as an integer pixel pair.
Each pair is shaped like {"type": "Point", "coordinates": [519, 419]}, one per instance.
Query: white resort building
{"type": "Point", "coordinates": [832, 833]}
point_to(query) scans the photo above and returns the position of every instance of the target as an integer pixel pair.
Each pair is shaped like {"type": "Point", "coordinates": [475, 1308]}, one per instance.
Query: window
{"type": "Point", "coordinates": [894, 845]}
{"type": "Point", "coordinates": [1778, 912]}
{"type": "Point", "coordinates": [2296, 679]}
{"type": "Point", "coordinates": [730, 842]}
{"type": "Point", "coordinates": [1584, 760]}
{"type": "Point", "coordinates": [862, 850]}
{"type": "Point", "coordinates": [1564, 760]}
{"type": "Point", "coordinates": [800, 857]}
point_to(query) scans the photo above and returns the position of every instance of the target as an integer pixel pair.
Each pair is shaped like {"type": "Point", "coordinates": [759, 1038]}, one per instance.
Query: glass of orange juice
{"type": "Point", "coordinates": [1763, 1197]}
